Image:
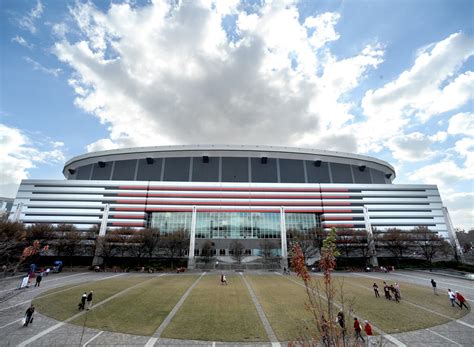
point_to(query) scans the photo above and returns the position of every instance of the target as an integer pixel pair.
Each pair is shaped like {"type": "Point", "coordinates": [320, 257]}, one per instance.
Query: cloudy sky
{"type": "Point", "coordinates": [390, 79]}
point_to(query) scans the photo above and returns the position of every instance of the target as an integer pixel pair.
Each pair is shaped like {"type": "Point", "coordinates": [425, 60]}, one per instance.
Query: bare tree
{"type": "Point", "coordinates": [40, 232]}
{"type": "Point", "coordinates": [207, 251]}
{"type": "Point", "coordinates": [73, 244]}
{"type": "Point", "coordinates": [307, 240]}
{"type": "Point", "coordinates": [237, 250]}
{"type": "Point", "coordinates": [175, 244]}
{"type": "Point", "coordinates": [345, 240]}
{"type": "Point", "coordinates": [11, 242]}
{"type": "Point", "coordinates": [106, 248]}
{"type": "Point", "coordinates": [151, 240]}
{"type": "Point", "coordinates": [428, 242]}
{"type": "Point", "coordinates": [123, 237]}
{"type": "Point", "coordinates": [323, 299]}
{"type": "Point", "coordinates": [396, 242]}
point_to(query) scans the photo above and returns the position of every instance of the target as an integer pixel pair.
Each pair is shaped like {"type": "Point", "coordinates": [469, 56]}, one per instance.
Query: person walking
{"type": "Point", "coordinates": [452, 297]}
{"type": "Point", "coordinates": [368, 331]}
{"type": "Point", "coordinates": [433, 284]}
{"type": "Point", "coordinates": [376, 290]}
{"type": "Point", "coordinates": [82, 304]}
{"type": "Point", "coordinates": [386, 290]}
{"type": "Point", "coordinates": [357, 330]}
{"type": "Point", "coordinates": [342, 323]}
{"type": "Point", "coordinates": [89, 300]}
{"type": "Point", "coordinates": [397, 288]}
{"type": "Point", "coordinates": [462, 300]}
{"type": "Point", "coordinates": [29, 315]}
{"type": "Point", "coordinates": [39, 278]}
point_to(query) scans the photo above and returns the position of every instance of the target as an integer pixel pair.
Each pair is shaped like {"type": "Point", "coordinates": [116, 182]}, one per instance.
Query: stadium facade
{"type": "Point", "coordinates": [224, 192]}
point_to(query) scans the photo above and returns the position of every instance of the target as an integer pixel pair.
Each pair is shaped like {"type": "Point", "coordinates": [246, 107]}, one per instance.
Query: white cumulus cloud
{"type": "Point", "coordinates": [462, 123]}
{"type": "Point", "coordinates": [163, 74]}
{"type": "Point", "coordinates": [18, 154]}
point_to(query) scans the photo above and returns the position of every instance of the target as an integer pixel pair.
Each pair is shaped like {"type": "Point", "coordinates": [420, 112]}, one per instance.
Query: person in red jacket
{"type": "Point", "coordinates": [462, 301]}
{"type": "Point", "coordinates": [357, 330]}
{"type": "Point", "coordinates": [368, 328]}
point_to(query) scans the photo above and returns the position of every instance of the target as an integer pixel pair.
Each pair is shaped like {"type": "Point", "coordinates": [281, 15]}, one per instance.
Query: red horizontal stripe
{"type": "Point", "coordinates": [131, 201]}
{"type": "Point", "coordinates": [168, 209]}
{"type": "Point", "coordinates": [133, 187]}
{"type": "Point", "coordinates": [337, 211]}
{"type": "Point", "coordinates": [128, 216]}
{"type": "Point", "coordinates": [129, 208]}
{"type": "Point", "coordinates": [335, 196]}
{"type": "Point", "coordinates": [233, 196]}
{"type": "Point", "coordinates": [238, 189]}
{"type": "Point", "coordinates": [239, 210]}
{"type": "Point", "coordinates": [334, 203]}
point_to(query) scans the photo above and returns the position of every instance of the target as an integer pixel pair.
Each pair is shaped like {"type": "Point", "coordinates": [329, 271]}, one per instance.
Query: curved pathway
{"type": "Point", "coordinates": [13, 304]}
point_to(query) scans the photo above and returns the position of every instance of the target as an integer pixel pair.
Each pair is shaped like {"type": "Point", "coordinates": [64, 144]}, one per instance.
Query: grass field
{"type": "Point", "coordinates": [218, 313]}
{"type": "Point", "coordinates": [227, 313]}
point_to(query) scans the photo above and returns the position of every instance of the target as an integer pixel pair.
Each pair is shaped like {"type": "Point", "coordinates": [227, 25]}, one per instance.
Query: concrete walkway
{"type": "Point", "coordinates": [12, 309]}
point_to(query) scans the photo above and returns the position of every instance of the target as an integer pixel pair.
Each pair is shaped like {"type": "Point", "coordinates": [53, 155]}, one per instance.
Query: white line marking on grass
{"type": "Point", "coordinates": [444, 337]}
{"type": "Point", "coordinates": [15, 321]}
{"type": "Point", "coordinates": [419, 306]}
{"type": "Point", "coordinates": [261, 313]}
{"type": "Point", "coordinates": [380, 331]}
{"type": "Point", "coordinates": [92, 339]}
{"type": "Point", "coordinates": [77, 315]}
{"type": "Point", "coordinates": [428, 283]}
{"type": "Point", "coordinates": [59, 291]}
{"type": "Point", "coordinates": [151, 342]}
{"type": "Point", "coordinates": [213, 343]}
{"type": "Point", "coordinates": [47, 281]}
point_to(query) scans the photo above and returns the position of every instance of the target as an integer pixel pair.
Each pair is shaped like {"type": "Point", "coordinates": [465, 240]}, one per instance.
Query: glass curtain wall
{"type": "Point", "coordinates": [233, 225]}
{"type": "Point", "coordinates": [169, 222]}
{"type": "Point", "coordinates": [301, 222]}
{"type": "Point", "coordinates": [237, 225]}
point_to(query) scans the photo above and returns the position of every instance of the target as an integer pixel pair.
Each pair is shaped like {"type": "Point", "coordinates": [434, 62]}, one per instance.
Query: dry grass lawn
{"type": "Point", "coordinates": [141, 310]}
{"type": "Point", "coordinates": [213, 312]}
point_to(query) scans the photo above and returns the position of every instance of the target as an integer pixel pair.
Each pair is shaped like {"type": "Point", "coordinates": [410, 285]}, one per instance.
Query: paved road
{"type": "Point", "coordinates": [13, 304]}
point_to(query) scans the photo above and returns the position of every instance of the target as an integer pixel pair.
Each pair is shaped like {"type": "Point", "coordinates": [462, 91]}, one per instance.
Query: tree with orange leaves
{"type": "Point", "coordinates": [321, 296]}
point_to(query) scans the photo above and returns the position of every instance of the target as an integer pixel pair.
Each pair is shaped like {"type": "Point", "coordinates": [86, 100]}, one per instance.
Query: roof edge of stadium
{"type": "Point", "coordinates": [222, 147]}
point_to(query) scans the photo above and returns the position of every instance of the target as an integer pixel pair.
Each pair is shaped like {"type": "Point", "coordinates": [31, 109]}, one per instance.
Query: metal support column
{"type": "Point", "coordinates": [97, 261]}
{"type": "Point", "coordinates": [452, 235]}
{"type": "Point", "coordinates": [370, 239]}
{"type": "Point", "coordinates": [284, 245]}
{"type": "Point", "coordinates": [16, 216]}
{"type": "Point", "coordinates": [192, 241]}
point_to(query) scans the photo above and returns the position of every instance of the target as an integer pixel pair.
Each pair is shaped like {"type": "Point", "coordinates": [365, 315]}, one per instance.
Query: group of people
{"type": "Point", "coordinates": [340, 319]}
{"type": "Point", "coordinates": [453, 296]}
{"type": "Point", "coordinates": [86, 301]}
{"type": "Point", "coordinates": [389, 290]}
{"type": "Point", "coordinates": [461, 301]}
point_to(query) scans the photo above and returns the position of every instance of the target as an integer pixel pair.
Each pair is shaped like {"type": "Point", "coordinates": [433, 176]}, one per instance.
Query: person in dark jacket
{"type": "Point", "coordinates": [39, 278]}
{"type": "Point", "coordinates": [82, 304]}
{"type": "Point", "coordinates": [376, 290]}
{"type": "Point", "coordinates": [29, 315]}
{"type": "Point", "coordinates": [89, 300]}
{"type": "Point", "coordinates": [433, 284]}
